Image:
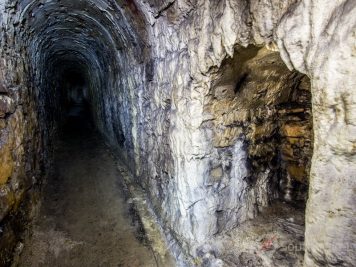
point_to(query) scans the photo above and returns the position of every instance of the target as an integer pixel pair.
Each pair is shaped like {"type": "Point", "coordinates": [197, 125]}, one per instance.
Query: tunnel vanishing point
{"type": "Point", "coordinates": [231, 124]}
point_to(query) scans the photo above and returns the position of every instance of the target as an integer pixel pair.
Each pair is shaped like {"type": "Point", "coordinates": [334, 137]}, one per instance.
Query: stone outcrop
{"type": "Point", "coordinates": [208, 103]}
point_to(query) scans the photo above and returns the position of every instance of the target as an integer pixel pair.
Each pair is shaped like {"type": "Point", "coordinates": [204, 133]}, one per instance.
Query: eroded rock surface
{"type": "Point", "coordinates": [164, 95]}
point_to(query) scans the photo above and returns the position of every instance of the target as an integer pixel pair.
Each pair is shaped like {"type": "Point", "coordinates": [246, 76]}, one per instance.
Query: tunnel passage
{"type": "Point", "coordinates": [77, 56]}
{"type": "Point", "coordinates": [74, 87]}
{"type": "Point", "coordinates": [262, 112]}
{"type": "Point", "coordinates": [202, 180]}
{"type": "Point", "coordinates": [69, 53]}
{"type": "Point", "coordinates": [77, 51]}
{"type": "Point", "coordinates": [74, 103]}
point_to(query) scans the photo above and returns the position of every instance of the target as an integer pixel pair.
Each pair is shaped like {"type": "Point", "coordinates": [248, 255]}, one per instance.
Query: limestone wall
{"type": "Point", "coordinates": [153, 69]}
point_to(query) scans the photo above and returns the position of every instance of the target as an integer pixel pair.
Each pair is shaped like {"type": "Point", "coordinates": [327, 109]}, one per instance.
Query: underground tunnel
{"type": "Point", "coordinates": [177, 133]}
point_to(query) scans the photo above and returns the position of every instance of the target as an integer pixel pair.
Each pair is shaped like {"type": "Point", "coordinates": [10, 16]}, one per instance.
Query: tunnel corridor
{"type": "Point", "coordinates": [71, 57]}
{"type": "Point", "coordinates": [189, 133]}
{"type": "Point", "coordinates": [84, 219]}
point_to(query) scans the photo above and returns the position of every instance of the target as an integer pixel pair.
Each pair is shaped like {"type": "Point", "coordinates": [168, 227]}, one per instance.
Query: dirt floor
{"type": "Point", "coordinates": [84, 220]}
{"type": "Point", "coordinates": [273, 239]}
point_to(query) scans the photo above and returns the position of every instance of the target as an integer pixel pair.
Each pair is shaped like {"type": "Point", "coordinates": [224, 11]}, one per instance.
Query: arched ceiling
{"type": "Point", "coordinates": [99, 35]}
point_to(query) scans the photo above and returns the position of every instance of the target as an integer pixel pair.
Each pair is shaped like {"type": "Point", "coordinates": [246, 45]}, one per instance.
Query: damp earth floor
{"type": "Point", "coordinates": [84, 219]}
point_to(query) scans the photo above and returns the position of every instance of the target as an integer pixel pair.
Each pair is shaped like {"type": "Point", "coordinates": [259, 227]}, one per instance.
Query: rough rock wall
{"type": "Point", "coordinates": [151, 68]}
{"type": "Point", "coordinates": [327, 53]}
{"type": "Point", "coordinates": [22, 157]}
{"type": "Point", "coordinates": [191, 40]}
